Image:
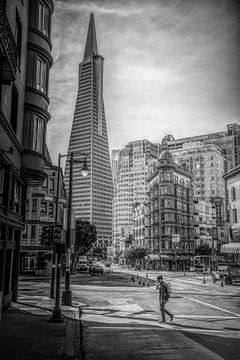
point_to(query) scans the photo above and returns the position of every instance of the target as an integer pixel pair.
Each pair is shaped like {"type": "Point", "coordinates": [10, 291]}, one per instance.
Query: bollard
{"type": "Point", "coordinates": [204, 280]}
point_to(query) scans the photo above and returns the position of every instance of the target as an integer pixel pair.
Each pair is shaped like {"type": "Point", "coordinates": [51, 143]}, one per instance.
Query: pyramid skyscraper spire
{"type": "Point", "coordinates": [92, 195]}
{"type": "Point", "coordinates": [91, 43]}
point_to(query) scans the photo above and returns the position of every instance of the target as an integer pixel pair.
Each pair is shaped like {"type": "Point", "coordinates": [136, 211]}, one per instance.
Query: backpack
{"type": "Point", "coordinates": [164, 288]}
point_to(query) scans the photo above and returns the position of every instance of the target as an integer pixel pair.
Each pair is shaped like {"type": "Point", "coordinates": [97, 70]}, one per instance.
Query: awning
{"type": "Point", "coordinates": [152, 257]}
{"type": "Point", "coordinates": [232, 248]}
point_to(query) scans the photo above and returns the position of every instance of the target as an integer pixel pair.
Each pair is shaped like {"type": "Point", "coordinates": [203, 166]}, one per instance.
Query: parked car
{"type": "Point", "coordinates": [81, 267]}
{"type": "Point", "coordinates": [95, 269]}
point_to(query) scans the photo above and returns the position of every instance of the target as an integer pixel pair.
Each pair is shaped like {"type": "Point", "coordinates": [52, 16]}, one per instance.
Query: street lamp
{"type": "Point", "coordinates": [67, 294]}
{"type": "Point", "coordinates": [56, 316]}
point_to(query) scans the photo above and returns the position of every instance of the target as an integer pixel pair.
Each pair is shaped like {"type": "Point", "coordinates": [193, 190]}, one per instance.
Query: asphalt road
{"type": "Point", "coordinates": [205, 312]}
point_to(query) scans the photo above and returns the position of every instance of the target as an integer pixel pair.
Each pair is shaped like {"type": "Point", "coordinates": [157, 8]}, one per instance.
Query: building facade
{"type": "Point", "coordinates": [169, 223]}
{"type": "Point", "coordinates": [93, 194]}
{"type": "Point", "coordinates": [232, 249]}
{"type": "Point", "coordinates": [228, 141]}
{"type": "Point", "coordinates": [207, 165]}
{"type": "Point", "coordinates": [25, 61]}
{"type": "Point", "coordinates": [139, 225]}
{"type": "Point", "coordinates": [41, 203]}
{"type": "Point", "coordinates": [130, 186]}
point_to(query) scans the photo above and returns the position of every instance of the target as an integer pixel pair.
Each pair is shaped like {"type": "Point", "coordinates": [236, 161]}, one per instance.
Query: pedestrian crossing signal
{"type": "Point", "coordinates": [47, 236]}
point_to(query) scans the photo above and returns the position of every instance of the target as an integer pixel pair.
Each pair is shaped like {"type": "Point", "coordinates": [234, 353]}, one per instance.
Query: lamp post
{"type": "Point", "coordinates": [56, 316]}
{"type": "Point", "coordinates": [56, 222]}
{"type": "Point", "coordinates": [67, 294]}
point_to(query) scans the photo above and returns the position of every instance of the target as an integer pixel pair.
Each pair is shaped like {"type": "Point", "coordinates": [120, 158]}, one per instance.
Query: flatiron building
{"type": "Point", "coordinates": [92, 195]}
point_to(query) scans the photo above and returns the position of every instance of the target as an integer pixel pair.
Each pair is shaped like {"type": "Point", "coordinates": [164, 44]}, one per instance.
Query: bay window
{"type": "Point", "coordinates": [43, 21]}
{"type": "Point", "coordinates": [38, 130]}
{"type": "Point", "coordinates": [41, 75]}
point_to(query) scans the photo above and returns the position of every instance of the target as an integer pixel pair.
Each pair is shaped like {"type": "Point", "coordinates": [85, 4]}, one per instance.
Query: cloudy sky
{"type": "Point", "coordinates": [171, 67]}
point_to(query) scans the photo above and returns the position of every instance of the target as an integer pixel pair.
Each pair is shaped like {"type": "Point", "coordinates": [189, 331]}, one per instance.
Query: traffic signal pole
{"type": "Point", "coordinates": [56, 221]}
{"type": "Point", "coordinates": [57, 251]}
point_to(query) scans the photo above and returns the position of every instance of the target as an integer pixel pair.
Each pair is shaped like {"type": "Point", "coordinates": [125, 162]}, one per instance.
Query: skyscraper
{"type": "Point", "coordinates": [130, 171]}
{"type": "Point", "coordinates": [92, 195]}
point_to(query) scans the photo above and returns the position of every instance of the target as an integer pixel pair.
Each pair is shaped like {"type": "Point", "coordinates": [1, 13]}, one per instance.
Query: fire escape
{"type": "Point", "coordinates": [8, 49]}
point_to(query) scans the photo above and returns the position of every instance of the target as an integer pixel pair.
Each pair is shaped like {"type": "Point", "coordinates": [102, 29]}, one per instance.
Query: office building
{"type": "Point", "coordinates": [228, 141]}
{"type": "Point", "coordinates": [93, 194]}
{"type": "Point", "coordinates": [130, 186]}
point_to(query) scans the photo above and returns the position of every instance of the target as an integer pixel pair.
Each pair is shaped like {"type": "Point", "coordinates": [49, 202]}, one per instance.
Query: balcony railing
{"type": "Point", "coordinates": [8, 49]}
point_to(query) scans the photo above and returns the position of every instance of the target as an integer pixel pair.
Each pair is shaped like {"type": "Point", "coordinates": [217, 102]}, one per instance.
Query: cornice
{"type": "Point", "coordinates": [39, 33]}
{"type": "Point", "coordinates": [37, 108]}
{"type": "Point", "coordinates": [42, 51]}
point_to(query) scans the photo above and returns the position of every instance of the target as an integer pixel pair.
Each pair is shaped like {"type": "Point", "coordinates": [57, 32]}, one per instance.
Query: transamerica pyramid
{"type": "Point", "coordinates": [92, 195]}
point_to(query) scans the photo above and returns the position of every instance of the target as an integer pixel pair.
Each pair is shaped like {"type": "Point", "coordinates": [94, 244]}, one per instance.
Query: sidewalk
{"type": "Point", "coordinates": [129, 332]}
{"type": "Point", "coordinates": [26, 333]}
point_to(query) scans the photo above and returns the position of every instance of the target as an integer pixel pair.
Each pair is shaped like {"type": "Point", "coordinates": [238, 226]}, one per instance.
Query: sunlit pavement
{"type": "Point", "coordinates": [205, 312]}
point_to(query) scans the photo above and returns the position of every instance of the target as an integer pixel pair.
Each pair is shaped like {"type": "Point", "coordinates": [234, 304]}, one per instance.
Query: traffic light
{"type": "Point", "coordinates": [57, 233]}
{"type": "Point", "coordinates": [42, 235]}
{"type": "Point", "coordinates": [48, 235]}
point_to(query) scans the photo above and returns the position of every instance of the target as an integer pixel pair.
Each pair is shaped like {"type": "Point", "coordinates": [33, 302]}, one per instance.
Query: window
{"type": "Point", "coordinates": [27, 205]}
{"type": "Point", "coordinates": [43, 23]}
{"type": "Point", "coordinates": [43, 207]}
{"type": "Point", "coordinates": [38, 134]}
{"type": "Point", "coordinates": [51, 185]}
{"type": "Point", "coordinates": [45, 183]}
{"type": "Point", "coordinates": [50, 209]}
{"type": "Point", "coordinates": [234, 215]}
{"type": "Point", "coordinates": [233, 193]}
{"type": "Point", "coordinates": [16, 197]}
{"type": "Point", "coordinates": [41, 75]}
{"type": "Point", "coordinates": [18, 37]}
{"type": "Point", "coordinates": [34, 206]}
{"type": "Point", "coordinates": [14, 108]}
{"type": "Point", "coordinates": [33, 231]}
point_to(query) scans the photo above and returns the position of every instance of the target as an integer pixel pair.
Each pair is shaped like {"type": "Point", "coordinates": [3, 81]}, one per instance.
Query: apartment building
{"type": "Point", "coordinates": [25, 60]}
{"type": "Point", "coordinates": [169, 212]}
{"type": "Point", "coordinates": [41, 204]}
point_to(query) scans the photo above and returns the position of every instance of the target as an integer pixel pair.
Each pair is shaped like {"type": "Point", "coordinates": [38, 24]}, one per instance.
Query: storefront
{"type": "Point", "coordinates": [232, 250]}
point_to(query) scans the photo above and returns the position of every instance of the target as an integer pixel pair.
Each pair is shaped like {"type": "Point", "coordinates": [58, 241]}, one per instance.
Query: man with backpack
{"type": "Point", "coordinates": [164, 295]}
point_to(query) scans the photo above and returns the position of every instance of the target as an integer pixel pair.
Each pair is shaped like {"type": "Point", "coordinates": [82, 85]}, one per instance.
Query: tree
{"type": "Point", "coordinates": [134, 253]}
{"type": "Point", "coordinates": [86, 236]}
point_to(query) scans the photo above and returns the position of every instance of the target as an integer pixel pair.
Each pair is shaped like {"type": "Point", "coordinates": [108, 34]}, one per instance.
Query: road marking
{"type": "Point", "coordinates": [205, 317]}
{"type": "Point", "coordinates": [212, 306]}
